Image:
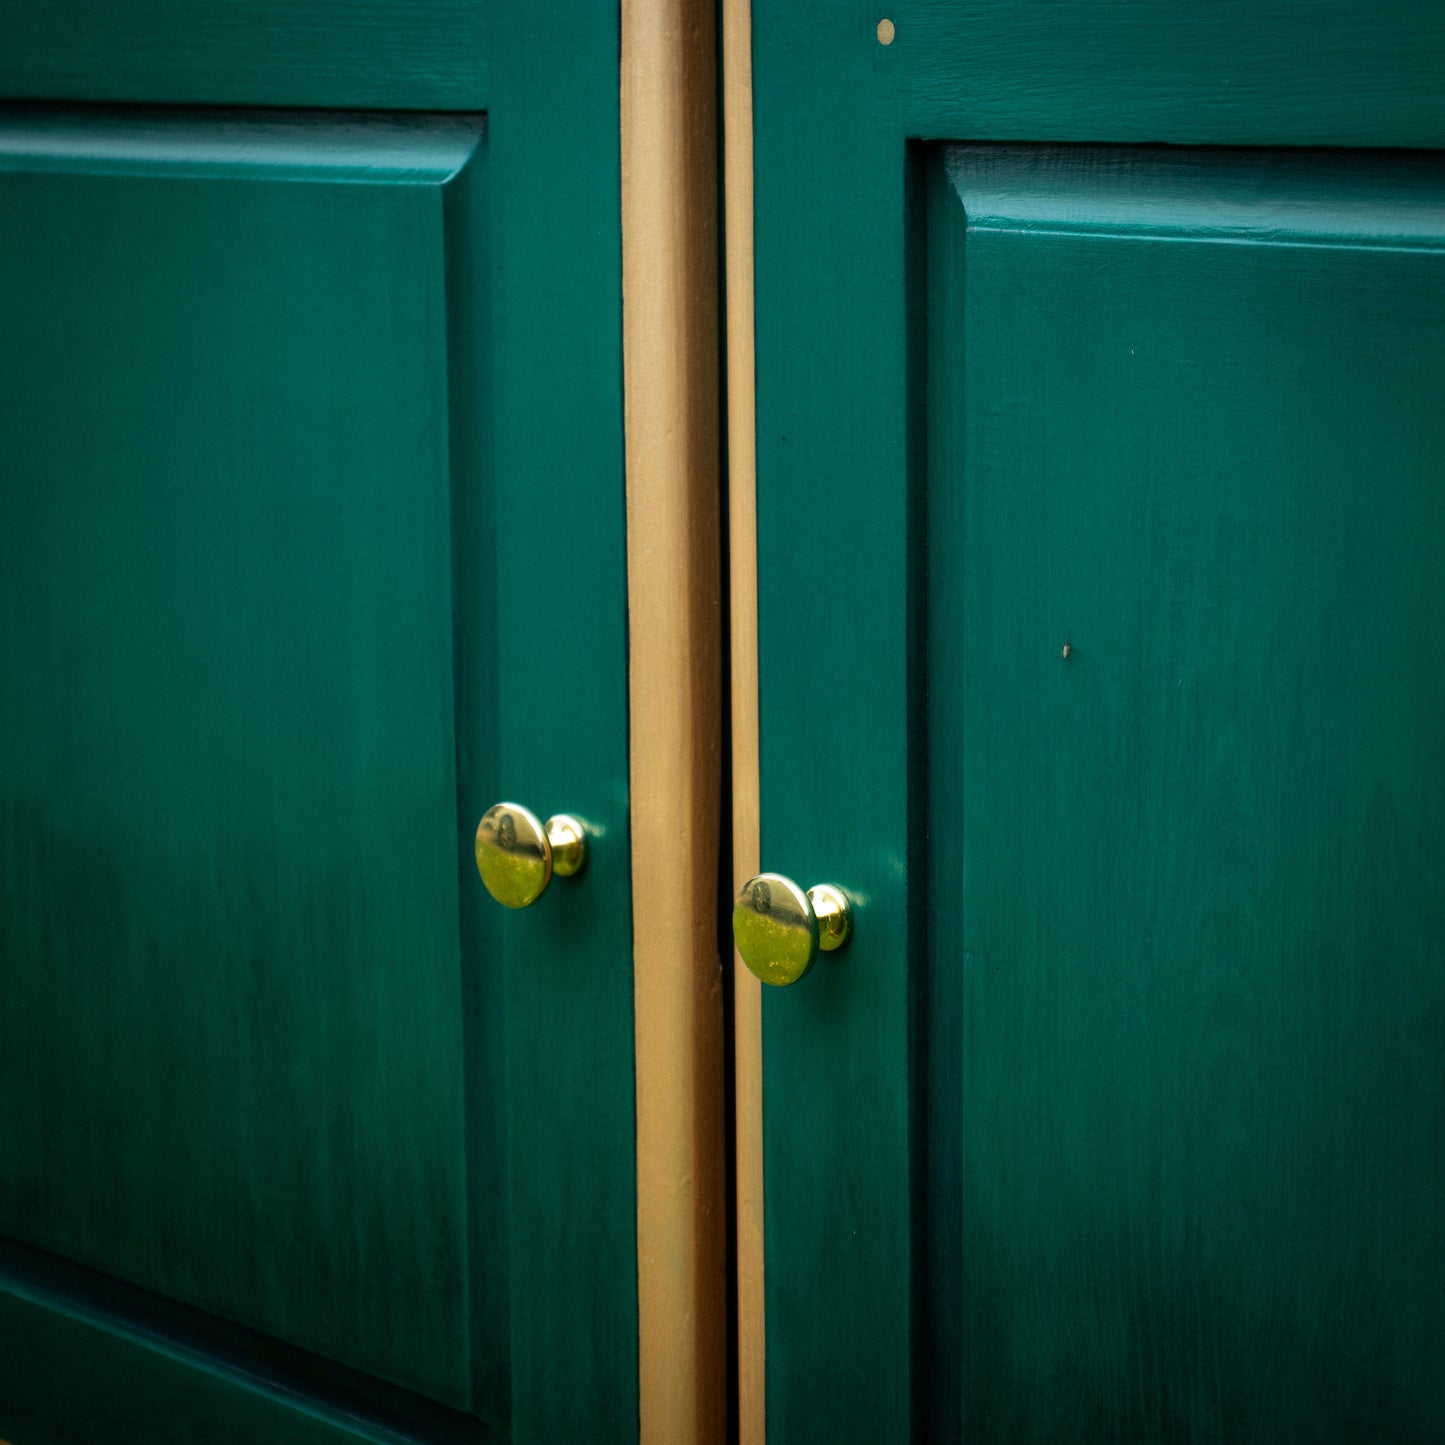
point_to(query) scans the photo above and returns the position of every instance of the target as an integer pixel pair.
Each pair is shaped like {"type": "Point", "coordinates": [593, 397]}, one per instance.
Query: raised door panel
{"type": "Point", "coordinates": [232, 885]}
{"type": "Point", "coordinates": [1185, 881]}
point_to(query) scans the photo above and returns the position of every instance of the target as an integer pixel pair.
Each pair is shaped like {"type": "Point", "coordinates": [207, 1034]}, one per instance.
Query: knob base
{"type": "Point", "coordinates": [568, 841]}
{"type": "Point", "coordinates": [834, 914]}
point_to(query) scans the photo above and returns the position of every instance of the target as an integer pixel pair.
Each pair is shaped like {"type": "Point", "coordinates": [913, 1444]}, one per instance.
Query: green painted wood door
{"type": "Point", "coordinates": [310, 401]}
{"type": "Point", "coordinates": [1105, 347]}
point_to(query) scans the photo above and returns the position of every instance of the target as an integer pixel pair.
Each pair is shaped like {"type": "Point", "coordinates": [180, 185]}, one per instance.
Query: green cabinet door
{"type": "Point", "coordinates": [303, 414]}
{"type": "Point", "coordinates": [1122, 1117]}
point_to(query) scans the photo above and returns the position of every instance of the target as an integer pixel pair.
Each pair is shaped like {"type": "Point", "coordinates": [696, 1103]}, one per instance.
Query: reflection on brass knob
{"type": "Point", "coordinates": [517, 855]}
{"type": "Point", "coordinates": [779, 929]}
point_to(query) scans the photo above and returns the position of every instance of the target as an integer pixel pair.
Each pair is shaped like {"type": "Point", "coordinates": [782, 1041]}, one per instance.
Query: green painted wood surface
{"type": "Point", "coordinates": [1296, 72]}
{"type": "Point", "coordinates": [319, 417]}
{"type": "Point", "coordinates": [372, 54]}
{"type": "Point", "coordinates": [100, 1365]}
{"type": "Point", "coordinates": [863, 1077]}
{"type": "Point", "coordinates": [1192, 877]}
{"type": "Point", "coordinates": [133, 1391]}
{"type": "Point", "coordinates": [561, 636]}
{"type": "Point", "coordinates": [233, 972]}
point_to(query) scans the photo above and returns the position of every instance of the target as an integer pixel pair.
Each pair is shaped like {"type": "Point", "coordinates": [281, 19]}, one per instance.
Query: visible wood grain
{"type": "Point", "coordinates": [235, 1068]}
{"type": "Point", "coordinates": [458, 358]}
{"type": "Point", "coordinates": [371, 54]}
{"type": "Point", "coordinates": [832, 560]}
{"type": "Point", "coordinates": [1299, 72]}
{"type": "Point", "coordinates": [1336, 73]}
{"type": "Point", "coordinates": [86, 1385]}
{"type": "Point", "coordinates": [96, 1357]}
{"type": "Point", "coordinates": [1190, 877]}
{"type": "Point", "coordinates": [674, 546]}
{"type": "Point", "coordinates": [559, 535]}
{"type": "Point", "coordinates": [737, 92]}
{"type": "Point", "coordinates": [864, 1150]}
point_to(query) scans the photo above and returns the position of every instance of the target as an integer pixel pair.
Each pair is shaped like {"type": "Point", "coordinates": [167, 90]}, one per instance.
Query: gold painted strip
{"type": "Point", "coordinates": [670, 378]}
{"type": "Point", "coordinates": [743, 600]}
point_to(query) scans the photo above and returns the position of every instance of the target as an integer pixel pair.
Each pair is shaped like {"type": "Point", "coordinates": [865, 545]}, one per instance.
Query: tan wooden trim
{"type": "Point", "coordinates": [743, 599]}
{"type": "Point", "coordinates": [670, 377]}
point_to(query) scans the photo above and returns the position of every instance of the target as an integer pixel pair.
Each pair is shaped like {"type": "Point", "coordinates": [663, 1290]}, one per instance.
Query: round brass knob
{"type": "Point", "coordinates": [517, 855]}
{"type": "Point", "coordinates": [779, 929]}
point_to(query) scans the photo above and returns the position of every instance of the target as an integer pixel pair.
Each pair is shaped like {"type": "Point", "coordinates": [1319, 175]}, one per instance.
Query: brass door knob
{"type": "Point", "coordinates": [517, 855]}
{"type": "Point", "coordinates": [779, 929]}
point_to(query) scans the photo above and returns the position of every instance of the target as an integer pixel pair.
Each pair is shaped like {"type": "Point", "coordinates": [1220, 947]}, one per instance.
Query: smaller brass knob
{"type": "Point", "coordinates": [780, 930]}
{"type": "Point", "coordinates": [517, 855]}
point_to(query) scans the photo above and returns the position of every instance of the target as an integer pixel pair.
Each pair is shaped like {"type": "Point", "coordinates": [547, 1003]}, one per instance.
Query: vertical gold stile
{"type": "Point", "coordinates": [670, 376]}
{"type": "Point", "coordinates": [743, 601]}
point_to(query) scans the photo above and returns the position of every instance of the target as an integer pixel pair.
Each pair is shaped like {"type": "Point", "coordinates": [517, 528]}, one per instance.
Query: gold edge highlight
{"type": "Point", "coordinates": [743, 597]}
{"type": "Point", "coordinates": [670, 380]}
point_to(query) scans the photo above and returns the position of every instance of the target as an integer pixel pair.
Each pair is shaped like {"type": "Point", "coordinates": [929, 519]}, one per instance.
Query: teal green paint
{"type": "Point", "coordinates": [130, 1390]}
{"type": "Point", "coordinates": [394, 150]}
{"type": "Point", "coordinates": [1299, 72]}
{"type": "Point", "coordinates": [316, 411]}
{"type": "Point", "coordinates": [832, 406]}
{"type": "Point", "coordinates": [865, 1146]}
{"type": "Point", "coordinates": [91, 1374]}
{"type": "Point", "coordinates": [232, 962]}
{"type": "Point", "coordinates": [561, 637]}
{"type": "Point", "coordinates": [1242, 196]}
{"type": "Point", "coordinates": [1190, 876]}
{"type": "Point", "coordinates": [358, 54]}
